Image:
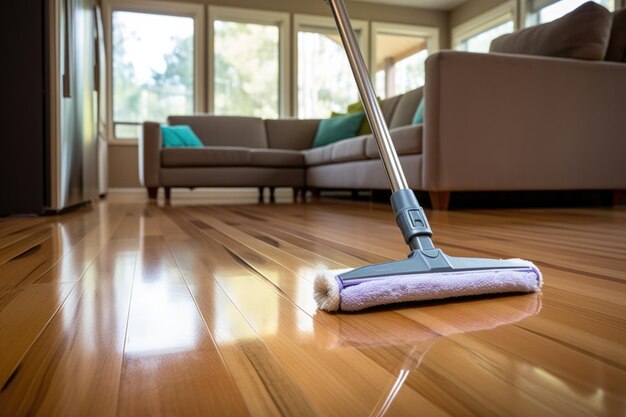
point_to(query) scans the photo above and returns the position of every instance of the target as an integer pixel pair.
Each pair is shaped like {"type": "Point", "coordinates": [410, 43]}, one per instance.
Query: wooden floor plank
{"type": "Point", "coordinates": [265, 387]}
{"type": "Point", "coordinates": [131, 308]}
{"type": "Point", "coordinates": [90, 327]}
{"type": "Point", "coordinates": [169, 352]}
{"type": "Point", "coordinates": [307, 360]}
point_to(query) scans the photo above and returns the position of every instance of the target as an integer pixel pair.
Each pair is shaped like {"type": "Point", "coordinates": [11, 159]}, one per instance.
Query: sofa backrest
{"type": "Point", "coordinates": [406, 108]}
{"type": "Point", "coordinates": [388, 106]}
{"type": "Point", "coordinates": [291, 134]}
{"type": "Point", "coordinates": [581, 34]}
{"type": "Point", "coordinates": [225, 130]}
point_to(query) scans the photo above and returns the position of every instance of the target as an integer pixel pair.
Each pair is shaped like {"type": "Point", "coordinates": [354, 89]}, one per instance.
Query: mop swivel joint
{"type": "Point", "coordinates": [411, 219]}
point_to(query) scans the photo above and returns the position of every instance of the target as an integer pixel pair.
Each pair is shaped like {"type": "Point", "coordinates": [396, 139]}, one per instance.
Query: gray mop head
{"type": "Point", "coordinates": [331, 294]}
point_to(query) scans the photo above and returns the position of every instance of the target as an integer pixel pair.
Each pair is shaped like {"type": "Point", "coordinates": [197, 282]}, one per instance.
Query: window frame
{"type": "Point", "coordinates": [307, 20]}
{"type": "Point", "coordinates": [523, 11]}
{"type": "Point", "coordinates": [430, 33]}
{"type": "Point", "coordinates": [194, 11]}
{"type": "Point", "coordinates": [483, 22]}
{"type": "Point", "coordinates": [262, 17]}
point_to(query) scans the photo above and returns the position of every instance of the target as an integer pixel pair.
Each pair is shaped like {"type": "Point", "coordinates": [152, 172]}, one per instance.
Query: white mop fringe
{"type": "Point", "coordinates": [421, 287]}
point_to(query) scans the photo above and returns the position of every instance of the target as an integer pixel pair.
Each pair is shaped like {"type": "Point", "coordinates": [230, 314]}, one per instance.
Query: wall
{"type": "Point", "coordinates": [123, 158]}
{"type": "Point", "coordinates": [471, 9]}
{"type": "Point", "coordinates": [123, 166]}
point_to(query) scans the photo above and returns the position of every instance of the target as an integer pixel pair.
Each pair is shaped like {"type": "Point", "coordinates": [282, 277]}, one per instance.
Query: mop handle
{"type": "Point", "coordinates": [374, 114]}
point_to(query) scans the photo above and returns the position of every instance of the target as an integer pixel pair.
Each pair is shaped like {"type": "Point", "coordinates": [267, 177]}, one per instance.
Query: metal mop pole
{"type": "Point", "coordinates": [409, 214]}
{"type": "Point", "coordinates": [374, 114]}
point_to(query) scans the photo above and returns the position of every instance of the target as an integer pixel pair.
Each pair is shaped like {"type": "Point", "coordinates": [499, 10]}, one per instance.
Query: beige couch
{"type": "Point", "coordinates": [251, 152]}
{"type": "Point", "coordinates": [496, 122]}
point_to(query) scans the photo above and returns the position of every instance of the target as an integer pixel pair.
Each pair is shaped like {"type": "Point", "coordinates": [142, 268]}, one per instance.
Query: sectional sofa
{"type": "Point", "coordinates": [502, 121]}
{"type": "Point", "coordinates": [251, 152]}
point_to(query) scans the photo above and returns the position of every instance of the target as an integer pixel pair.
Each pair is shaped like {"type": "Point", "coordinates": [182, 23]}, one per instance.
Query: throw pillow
{"type": "Point", "coordinates": [419, 114]}
{"type": "Point", "coordinates": [365, 128]}
{"type": "Point", "coordinates": [179, 136]}
{"type": "Point", "coordinates": [337, 128]}
{"type": "Point", "coordinates": [581, 34]}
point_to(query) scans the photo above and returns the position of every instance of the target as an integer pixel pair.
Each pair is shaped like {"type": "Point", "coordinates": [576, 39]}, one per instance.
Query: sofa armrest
{"type": "Point", "coordinates": [511, 122]}
{"type": "Point", "coordinates": [150, 154]}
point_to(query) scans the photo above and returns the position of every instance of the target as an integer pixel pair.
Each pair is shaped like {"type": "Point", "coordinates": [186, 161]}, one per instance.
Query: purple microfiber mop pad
{"type": "Point", "coordinates": [331, 295]}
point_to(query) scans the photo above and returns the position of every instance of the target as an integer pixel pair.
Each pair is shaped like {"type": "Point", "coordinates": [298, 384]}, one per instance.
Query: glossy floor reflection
{"type": "Point", "coordinates": [128, 308]}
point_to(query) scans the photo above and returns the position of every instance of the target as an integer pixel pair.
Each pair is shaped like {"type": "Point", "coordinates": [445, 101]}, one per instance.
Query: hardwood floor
{"type": "Point", "coordinates": [128, 308]}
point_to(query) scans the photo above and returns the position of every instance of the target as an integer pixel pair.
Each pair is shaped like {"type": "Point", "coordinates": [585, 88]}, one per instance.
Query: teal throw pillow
{"type": "Point", "coordinates": [179, 136]}
{"type": "Point", "coordinates": [419, 114]}
{"type": "Point", "coordinates": [337, 128]}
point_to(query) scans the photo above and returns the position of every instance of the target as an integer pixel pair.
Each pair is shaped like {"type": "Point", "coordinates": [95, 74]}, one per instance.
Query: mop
{"type": "Point", "coordinates": [427, 273]}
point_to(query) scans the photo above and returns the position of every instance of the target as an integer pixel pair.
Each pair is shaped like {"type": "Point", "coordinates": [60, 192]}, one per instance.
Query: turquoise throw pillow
{"type": "Point", "coordinates": [337, 128]}
{"type": "Point", "coordinates": [419, 114]}
{"type": "Point", "coordinates": [179, 136]}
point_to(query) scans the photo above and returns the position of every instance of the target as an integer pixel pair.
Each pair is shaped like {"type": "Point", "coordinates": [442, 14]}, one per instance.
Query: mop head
{"type": "Point", "coordinates": [331, 295]}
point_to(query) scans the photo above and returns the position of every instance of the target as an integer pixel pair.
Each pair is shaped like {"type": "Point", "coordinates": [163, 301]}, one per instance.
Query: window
{"type": "Point", "coordinates": [247, 62]}
{"type": "Point", "coordinates": [154, 68]}
{"type": "Point", "coordinates": [476, 34]}
{"type": "Point", "coordinates": [399, 55]}
{"type": "Point", "coordinates": [543, 11]}
{"type": "Point", "coordinates": [481, 42]}
{"type": "Point", "coordinates": [325, 83]}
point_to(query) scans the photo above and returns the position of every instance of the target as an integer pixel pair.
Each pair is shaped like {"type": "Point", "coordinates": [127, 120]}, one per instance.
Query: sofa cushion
{"type": "Point", "coordinates": [337, 128]}
{"type": "Point", "coordinates": [616, 50]}
{"type": "Point", "coordinates": [318, 156]}
{"type": "Point", "coordinates": [406, 139]}
{"type": "Point", "coordinates": [406, 108]}
{"type": "Point", "coordinates": [205, 157]}
{"type": "Point", "coordinates": [352, 149]}
{"type": "Point", "coordinates": [179, 136]}
{"type": "Point", "coordinates": [581, 34]}
{"type": "Point", "coordinates": [292, 134]}
{"type": "Point", "coordinates": [225, 130]}
{"type": "Point", "coordinates": [278, 158]}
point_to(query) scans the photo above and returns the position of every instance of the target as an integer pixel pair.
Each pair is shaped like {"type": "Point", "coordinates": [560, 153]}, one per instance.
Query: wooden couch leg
{"type": "Point", "coordinates": [272, 196]}
{"type": "Point", "coordinates": [619, 197]}
{"type": "Point", "coordinates": [153, 192]}
{"type": "Point", "coordinates": [261, 190]}
{"type": "Point", "coordinates": [168, 193]}
{"type": "Point", "coordinates": [440, 200]}
{"type": "Point", "coordinates": [315, 194]}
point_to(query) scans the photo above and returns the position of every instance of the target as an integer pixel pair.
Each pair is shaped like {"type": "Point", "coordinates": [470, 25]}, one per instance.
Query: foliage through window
{"type": "Point", "coordinates": [153, 69]}
{"type": "Point", "coordinates": [325, 81]}
{"type": "Point", "coordinates": [246, 69]}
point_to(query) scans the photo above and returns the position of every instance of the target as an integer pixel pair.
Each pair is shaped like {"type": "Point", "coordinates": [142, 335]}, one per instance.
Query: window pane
{"type": "Point", "coordinates": [558, 9]}
{"type": "Point", "coordinates": [246, 69]}
{"type": "Point", "coordinates": [325, 81]}
{"type": "Point", "coordinates": [481, 41]}
{"type": "Point", "coordinates": [400, 61]}
{"type": "Point", "coordinates": [126, 130]}
{"type": "Point", "coordinates": [153, 67]}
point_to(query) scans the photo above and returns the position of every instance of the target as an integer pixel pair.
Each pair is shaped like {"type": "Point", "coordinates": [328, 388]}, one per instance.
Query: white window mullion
{"type": "Point", "coordinates": [482, 23]}
{"type": "Point", "coordinates": [156, 9]}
